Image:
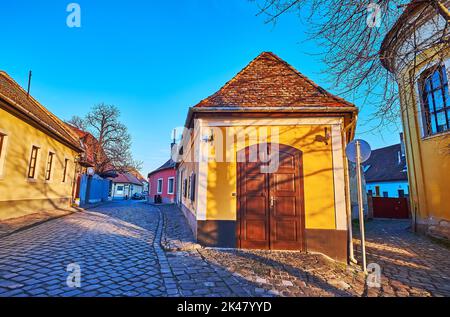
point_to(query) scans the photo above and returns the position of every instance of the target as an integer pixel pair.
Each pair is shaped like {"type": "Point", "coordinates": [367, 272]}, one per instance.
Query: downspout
{"type": "Point", "coordinates": [352, 127]}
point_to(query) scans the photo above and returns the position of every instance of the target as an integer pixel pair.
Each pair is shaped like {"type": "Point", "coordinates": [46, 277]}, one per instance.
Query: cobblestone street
{"type": "Point", "coordinates": [125, 249]}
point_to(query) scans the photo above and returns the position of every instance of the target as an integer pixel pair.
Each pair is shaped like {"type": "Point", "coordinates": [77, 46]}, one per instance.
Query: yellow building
{"type": "Point", "coordinates": [421, 65]}
{"type": "Point", "coordinates": [262, 163]}
{"type": "Point", "coordinates": [37, 155]}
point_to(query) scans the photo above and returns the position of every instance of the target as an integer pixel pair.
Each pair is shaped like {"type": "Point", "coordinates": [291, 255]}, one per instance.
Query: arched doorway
{"type": "Point", "coordinates": [270, 206]}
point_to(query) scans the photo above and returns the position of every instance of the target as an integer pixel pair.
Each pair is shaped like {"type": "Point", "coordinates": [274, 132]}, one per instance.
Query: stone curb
{"type": "Point", "coordinates": [168, 276]}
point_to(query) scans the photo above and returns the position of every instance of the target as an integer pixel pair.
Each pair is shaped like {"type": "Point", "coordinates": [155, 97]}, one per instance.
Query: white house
{"type": "Point", "coordinates": [125, 185]}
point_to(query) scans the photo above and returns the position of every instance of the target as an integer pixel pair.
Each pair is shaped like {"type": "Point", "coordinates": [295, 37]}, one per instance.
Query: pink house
{"type": "Point", "coordinates": [162, 182]}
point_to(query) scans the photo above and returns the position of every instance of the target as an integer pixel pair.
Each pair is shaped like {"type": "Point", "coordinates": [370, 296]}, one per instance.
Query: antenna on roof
{"type": "Point", "coordinates": [29, 83]}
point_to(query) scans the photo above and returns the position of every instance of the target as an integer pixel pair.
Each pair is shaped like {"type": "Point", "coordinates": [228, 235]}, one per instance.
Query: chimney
{"type": "Point", "coordinates": [402, 145]}
{"type": "Point", "coordinates": [173, 140]}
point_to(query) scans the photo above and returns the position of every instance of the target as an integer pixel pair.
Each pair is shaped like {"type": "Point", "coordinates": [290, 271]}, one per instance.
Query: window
{"type": "Point", "coordinates": [33, 162]}
{"type": "Point", "coordinates": [2, 151]}
{"type": "Point", "coordinates": [436, 101]}
{"type": "Point", "coordinates": [48, 170]}
{"type": "Point", "coordinates": [192, 187]}
{"type": "Point", "coordinates": [170, 185]}
{"type": "Point", "coordinates": [185, 188]}
{"type": "Point", "coordinates": [377, 191]}
{"type": "Point", "coordinates": [160, 186]}
{"type": "Point", "coordinates": [2, 139]}
{"type": "Point", "coordinates": [120, 188]}
{"type": "Point", "coordinates": [66, 162]}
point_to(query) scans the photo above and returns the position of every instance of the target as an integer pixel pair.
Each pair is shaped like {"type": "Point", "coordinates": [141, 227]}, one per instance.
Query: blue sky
{"type": "Point", "coordinates": [153, 59]}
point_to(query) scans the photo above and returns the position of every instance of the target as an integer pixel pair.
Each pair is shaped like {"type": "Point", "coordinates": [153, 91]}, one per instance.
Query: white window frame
{"type": "Point", "coordinates": [38, 162]}
{"type": "Point", "coordinates": [171, 192]}
{"type": "Point", "coordinates": [52, 166]}
{"type": "Point", "coordinates": [158, 189]}
{"type": "Point", "coordinates": [3, 152]}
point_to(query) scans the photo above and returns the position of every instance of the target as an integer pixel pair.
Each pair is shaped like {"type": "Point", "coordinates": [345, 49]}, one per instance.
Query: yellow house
{"type": "Point", "coordinates": [37, 155]}
{"type": "Point", "coordinates": [262, 163]}
{"type": "Point", "coordinates": [413, 50]}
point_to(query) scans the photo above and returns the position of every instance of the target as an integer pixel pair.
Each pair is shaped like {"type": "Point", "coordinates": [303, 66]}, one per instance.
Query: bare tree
{"type": "Point", "coordinates": [77, 122]}
{"type": "Point", "coordinates": [113, 149]}
{"type": "Point", "coordinates": [352, 42]}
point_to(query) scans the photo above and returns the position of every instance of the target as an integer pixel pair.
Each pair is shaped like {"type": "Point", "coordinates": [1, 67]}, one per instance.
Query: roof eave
{"type": "Point", "coordinates": [303, 109]}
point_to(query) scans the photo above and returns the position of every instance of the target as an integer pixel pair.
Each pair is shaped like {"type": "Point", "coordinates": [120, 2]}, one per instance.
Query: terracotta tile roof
{"type": "Point", "coordinates": [16, 97]}
{"type": "Point", "coordinates": [91, 148]}
{"type": "Point", "coordinates": [126, 178]}
{"type": "Point", "coordinates": [170, 164]}
{"type": "Point", "coordinates": [138, 175]}
{"type": "Point", "coordinates": [268, 81]}
{"type": "Point", "coordinates": [384, 165]}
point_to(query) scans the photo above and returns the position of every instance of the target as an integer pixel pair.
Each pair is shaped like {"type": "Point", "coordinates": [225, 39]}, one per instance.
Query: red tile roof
{"type": "Point", "coordinates": [92, 148]}
{"type": "Point", "coordinates": [126, 178]}
{"type": "Point", "coordinates": [268, 81]}
{"type": "Point", "coordinates": [16, 97]}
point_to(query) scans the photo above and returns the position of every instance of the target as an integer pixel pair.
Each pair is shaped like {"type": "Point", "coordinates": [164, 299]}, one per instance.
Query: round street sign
{"type": "Point", "coordinates": [91, 171]}
{"type": "Point", "coordinates": [365, 151]}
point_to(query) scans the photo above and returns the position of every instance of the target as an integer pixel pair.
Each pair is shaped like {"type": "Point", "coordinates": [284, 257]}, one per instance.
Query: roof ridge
{"type": "Point", "coordinates": [54, 118]}
{"type": "Point", "coordinates": [288, 66]}
{"type": "Point", "coordinates": [228, 83]}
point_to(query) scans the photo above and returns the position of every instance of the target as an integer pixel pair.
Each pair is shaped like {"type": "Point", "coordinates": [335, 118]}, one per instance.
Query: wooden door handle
{"type": "Point", "coordinates": [272, 201]}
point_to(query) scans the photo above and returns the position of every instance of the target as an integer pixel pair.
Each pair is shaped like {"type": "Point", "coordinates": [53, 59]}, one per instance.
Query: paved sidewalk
{"type": "Point", "coordinates": [12, 225]}
{"type": "Point", "coordinates": [111, 244]}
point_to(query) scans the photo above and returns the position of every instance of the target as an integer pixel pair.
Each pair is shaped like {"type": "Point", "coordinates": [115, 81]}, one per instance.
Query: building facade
{"type": "Point", "coordinates": [38, 155]}
{"type": "Point", "coordinates": [162, 182]}
{"type": "Point", "coordinates": [262, 164]}
{"type": "Point", "coordinates": [124, 186]}
{"type": "Point", "coordinates": [421, 65]}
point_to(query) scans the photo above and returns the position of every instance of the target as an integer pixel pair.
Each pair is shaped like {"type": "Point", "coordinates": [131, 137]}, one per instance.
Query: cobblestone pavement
{"type": "Point", "coordinates": [411, 265]}
{"type": "Point", "coordinates": [124, 249]}
{"type": "Point", "coordinates": [112, 245]}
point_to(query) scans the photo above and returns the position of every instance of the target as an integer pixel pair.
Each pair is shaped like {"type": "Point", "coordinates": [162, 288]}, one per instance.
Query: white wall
{"type": "Point", "coordinates": [390, 187]}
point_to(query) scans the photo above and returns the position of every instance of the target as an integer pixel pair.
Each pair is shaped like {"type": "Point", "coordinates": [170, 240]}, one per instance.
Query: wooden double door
{"type": "Point", "coordinates": [270, 204]}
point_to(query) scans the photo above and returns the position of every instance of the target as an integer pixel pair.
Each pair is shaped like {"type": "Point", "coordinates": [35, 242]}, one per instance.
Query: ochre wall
{"type": "Point", "coordinates": [317, 169]}
{"type": "Point", "coordinates": [20, 196]}
{"type": "Point", "coordinates": [428, 157]}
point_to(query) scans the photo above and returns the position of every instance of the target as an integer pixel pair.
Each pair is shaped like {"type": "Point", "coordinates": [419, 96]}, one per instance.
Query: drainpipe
{"type": "Point", "coordinates": [351, 125]}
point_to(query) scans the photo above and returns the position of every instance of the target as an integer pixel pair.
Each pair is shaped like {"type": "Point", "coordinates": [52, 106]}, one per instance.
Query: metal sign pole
{"type": "Point", "coordinates": [360, 204]}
